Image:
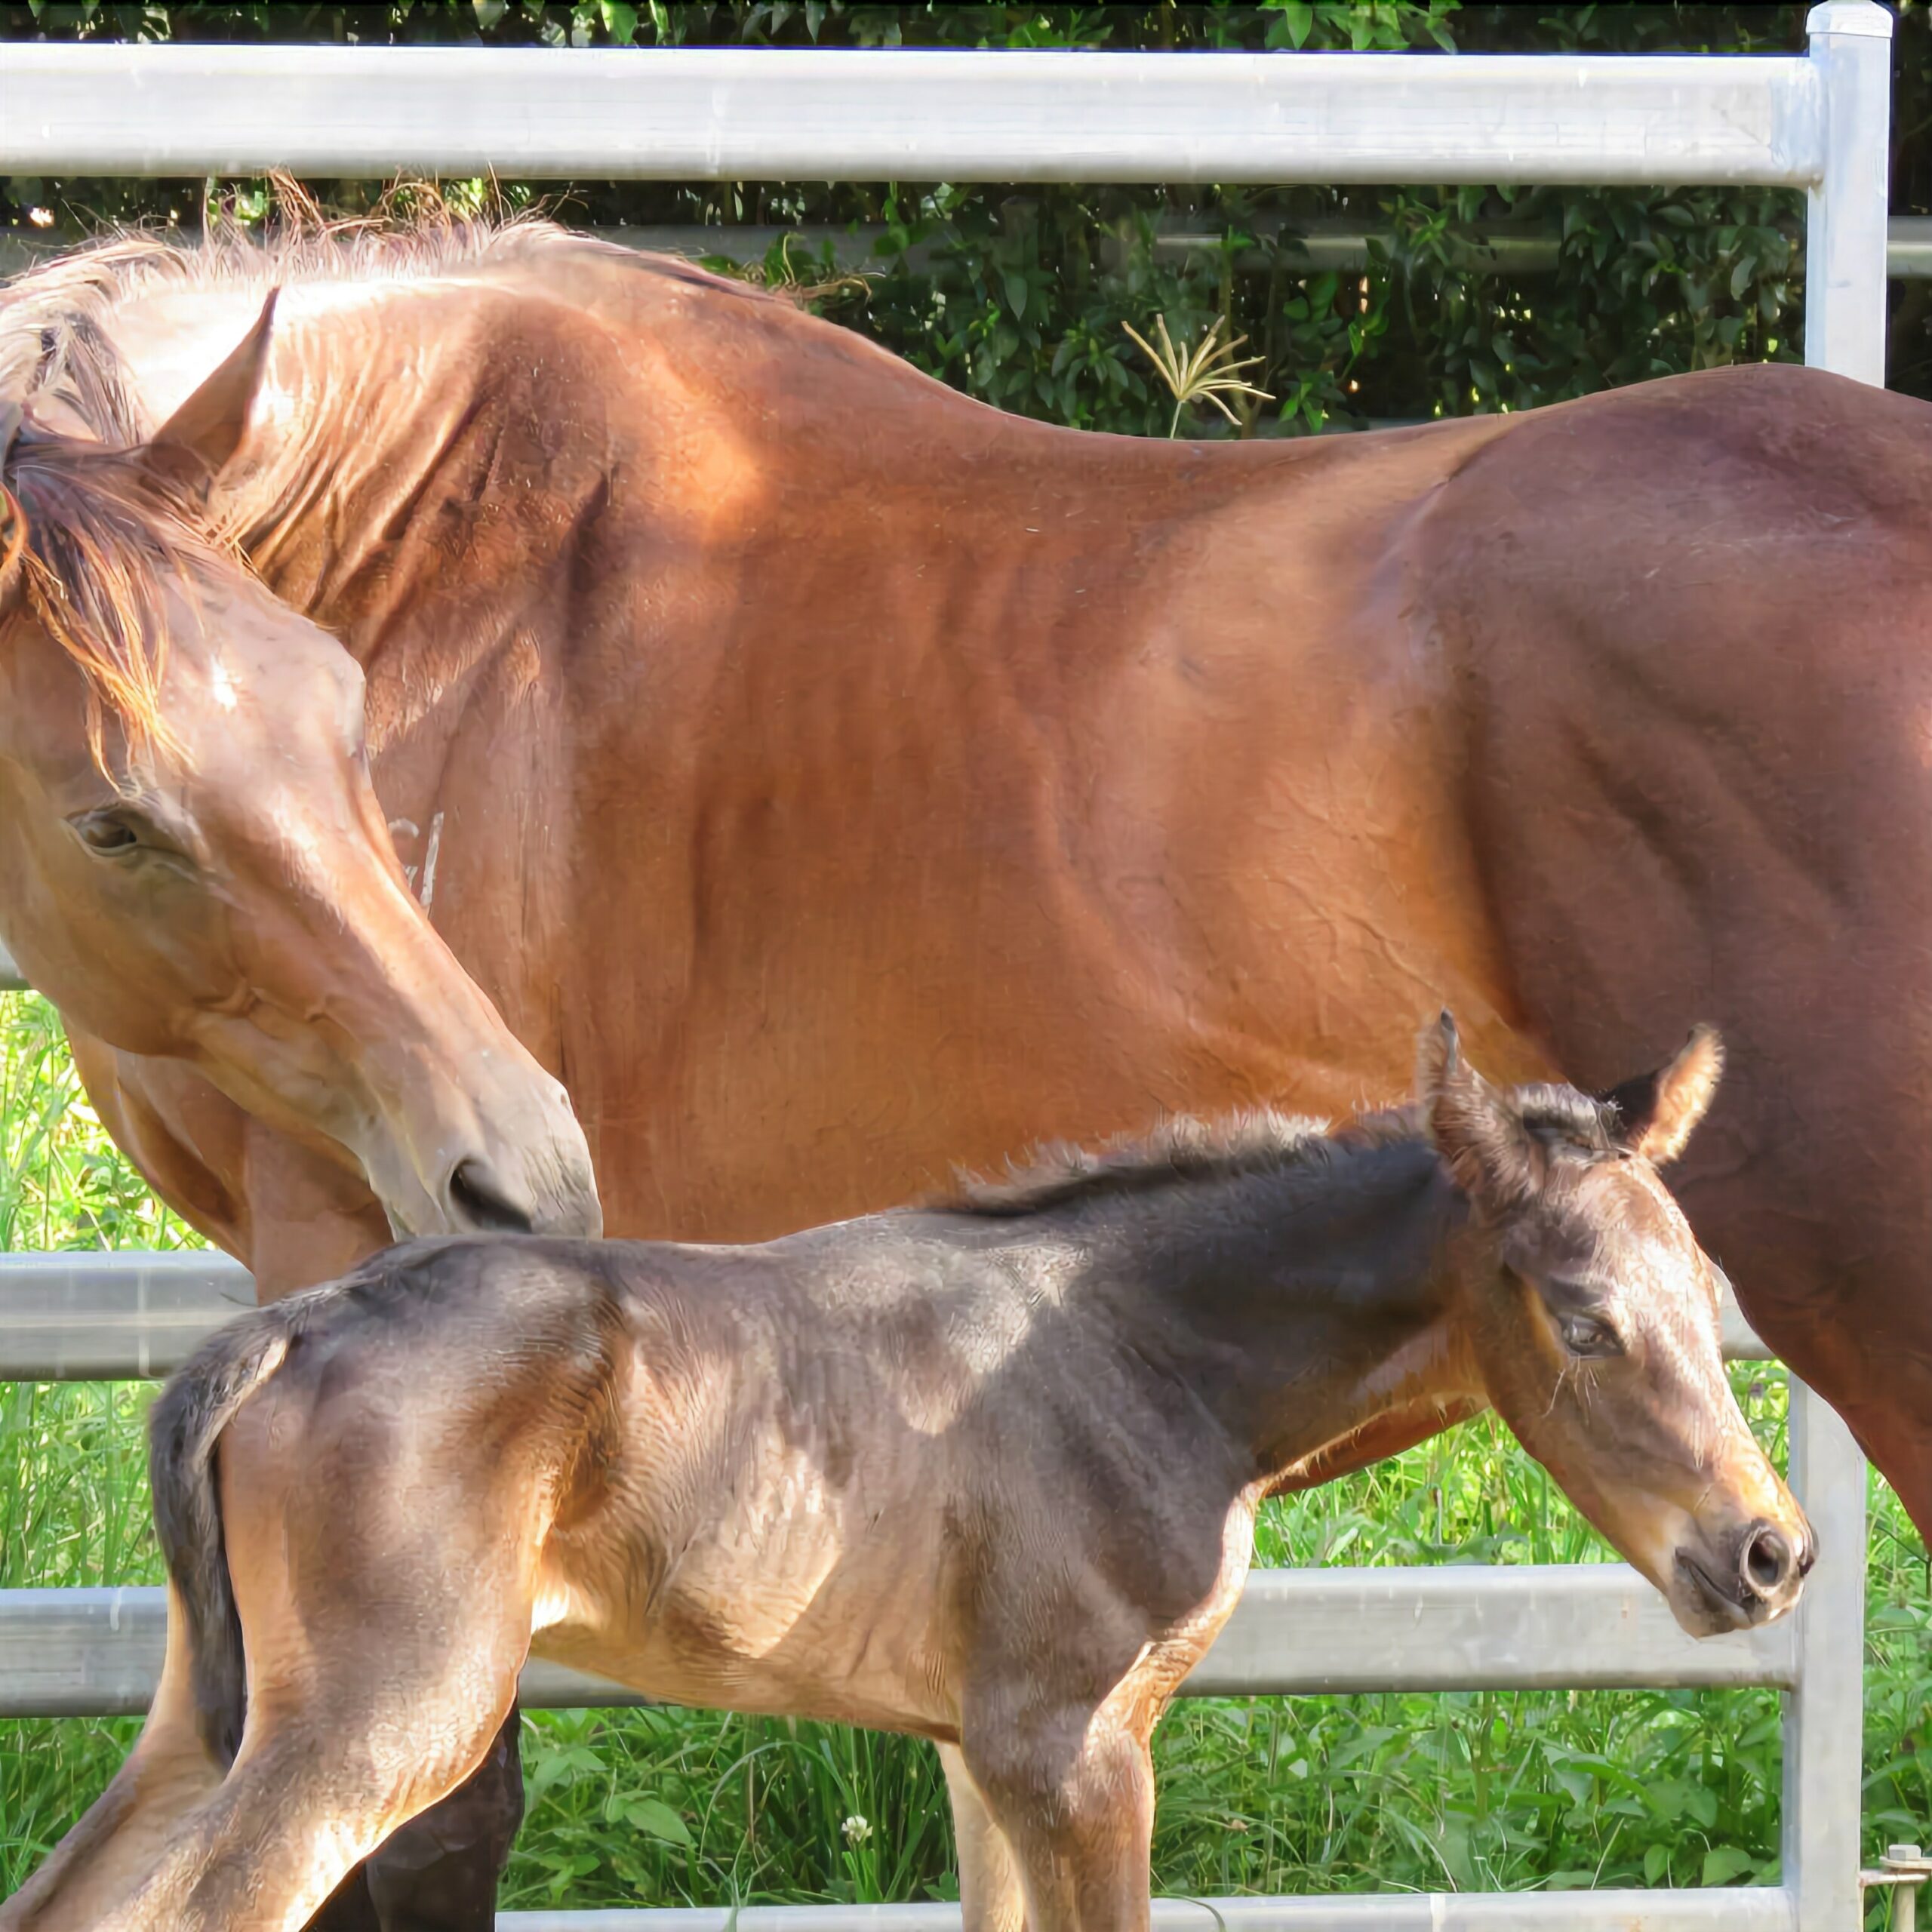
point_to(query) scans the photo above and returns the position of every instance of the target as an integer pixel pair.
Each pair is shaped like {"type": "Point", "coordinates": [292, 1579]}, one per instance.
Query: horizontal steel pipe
{"type": "Point", "coordinates": [97, 1652]}
{"type": "Point", "coordinates": [821, 114]}
{"type": "Point", "coordinates": [126, 1316]}
{"type": "Point", "coordinates": [1321, 244]}
{"type": "Point", "coordinates": [1722, 1908]}
{"type": "Point", "coordinates": [116, 1316]}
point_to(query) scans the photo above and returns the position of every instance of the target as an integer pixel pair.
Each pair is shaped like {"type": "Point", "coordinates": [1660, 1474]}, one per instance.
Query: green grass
{"type": "Point", "coordinates": [1308, 1794]}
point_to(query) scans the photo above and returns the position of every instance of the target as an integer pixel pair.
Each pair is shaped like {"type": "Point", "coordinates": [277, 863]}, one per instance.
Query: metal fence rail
{"type": "Point", "coordinates": [800, 114]}
{"type": "Point", "coordinates": [1723, 1910]}
{"type": "Point", "coordinates": [92, 1317]}
{"type": "Point", "coordinates": [1819, 121]}
{"type": "Point", "coordinates": [1464, 1627]}
{"type": "Point", "coordinates": [1325, 242]}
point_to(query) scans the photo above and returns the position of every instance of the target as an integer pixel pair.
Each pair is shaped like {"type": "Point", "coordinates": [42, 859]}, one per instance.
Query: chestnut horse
{"type": "Point", "coordinates": [829, 778]}
{"type": "Point", "coordinates": [182, 886]}
{"type": "Point", "coordinates": [987, 1474]}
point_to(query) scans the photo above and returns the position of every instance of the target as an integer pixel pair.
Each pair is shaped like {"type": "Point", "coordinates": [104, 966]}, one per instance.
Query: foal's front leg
{"type": "Point", "coordinates": [1072, 1793]}
{"type": "Point", "coordinates": [991, 1898]}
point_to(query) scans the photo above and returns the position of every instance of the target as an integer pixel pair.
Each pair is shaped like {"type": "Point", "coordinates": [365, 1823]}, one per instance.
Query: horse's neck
{"type": "Point", "coordinates": [1305, 1307]}
{"type": "Point", "coordinates": [392, 453]}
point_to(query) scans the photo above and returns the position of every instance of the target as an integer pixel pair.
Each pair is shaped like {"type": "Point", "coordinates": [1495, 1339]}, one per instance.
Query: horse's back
{"type": "Point", "coordinates": [1700, 783]}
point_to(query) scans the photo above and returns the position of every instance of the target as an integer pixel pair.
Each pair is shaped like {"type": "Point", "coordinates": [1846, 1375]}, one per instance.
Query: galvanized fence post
{"type": "Point", "coordinates": [1845, 211]}
{"type": "Point", "coordinates": [1845, 331]}
{"type": "Point", "coordinates": [1824, 1736]}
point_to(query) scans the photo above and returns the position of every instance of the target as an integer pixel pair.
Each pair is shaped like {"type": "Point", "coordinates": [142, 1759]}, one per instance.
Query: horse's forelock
{"type": "Point", "coordinates": [105, 545]}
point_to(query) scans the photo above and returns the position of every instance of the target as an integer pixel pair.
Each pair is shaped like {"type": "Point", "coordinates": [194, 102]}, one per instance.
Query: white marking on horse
{"type": "Point", "coordinates": [415, 831]}
{"type": "Point", "coordinates": [429, 860]}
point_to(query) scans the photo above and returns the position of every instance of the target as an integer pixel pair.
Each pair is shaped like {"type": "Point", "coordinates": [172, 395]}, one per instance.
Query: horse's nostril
{"type": "Point", "coordinates": [1769, 1560]}
{"type": "Point", "coordinates": [477, 1201]}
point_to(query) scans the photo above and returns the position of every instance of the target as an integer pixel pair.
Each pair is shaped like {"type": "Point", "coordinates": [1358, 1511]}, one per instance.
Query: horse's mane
{"type": "Point", "coordinates": [104, 535]}
{"type": "Point", "coordinates": [53, 333]}
{"type": "Point", "coordinates": [1260, 1140]}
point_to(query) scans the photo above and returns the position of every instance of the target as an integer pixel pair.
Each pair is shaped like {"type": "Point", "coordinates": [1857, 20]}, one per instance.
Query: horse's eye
{"type": "Point", "coordinates": [1584, 1335]}
{"type": "Point", "coordinates": [112, 833]}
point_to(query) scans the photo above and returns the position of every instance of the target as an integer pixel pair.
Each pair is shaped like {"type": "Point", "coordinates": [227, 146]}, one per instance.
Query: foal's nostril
{"type": "Point", "coordinates": [1770, 1562]}
{"type": "Point", "coordinates": [477, 1201]}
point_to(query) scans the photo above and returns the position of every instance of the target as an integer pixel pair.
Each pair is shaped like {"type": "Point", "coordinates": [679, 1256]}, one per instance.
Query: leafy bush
{"type": "Point", "coordinates": [1019, 294]}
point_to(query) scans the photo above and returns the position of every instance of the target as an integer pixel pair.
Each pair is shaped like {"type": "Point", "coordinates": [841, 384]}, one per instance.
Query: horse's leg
{"type": "Point", "coordinates": [1074, 1798]}
{"type": "Point", "coordinates": [168, 1772]}
{"type": "Point", "coordinates": [308, 1220]}
{"type": "Point", "coordinates": [438, 1872]}
{"type": "Point", "coordinates": [991, 1899]}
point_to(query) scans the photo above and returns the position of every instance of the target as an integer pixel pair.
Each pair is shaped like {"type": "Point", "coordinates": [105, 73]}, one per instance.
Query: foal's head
{"type": "Point", "coordinates": [193, 864]}
{"type": "Point", "coordinates": [1594, 1316]}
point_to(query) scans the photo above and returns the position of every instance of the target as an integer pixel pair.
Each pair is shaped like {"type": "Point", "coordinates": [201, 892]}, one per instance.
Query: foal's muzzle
{"type": "Point", "coordinates": [1759, 1577]}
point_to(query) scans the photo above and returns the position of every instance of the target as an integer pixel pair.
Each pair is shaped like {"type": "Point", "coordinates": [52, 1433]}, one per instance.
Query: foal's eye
{"type": "Point", "coordinates": [1584, 1335]}
{"type": "Point", "coordinates": [113, 833]}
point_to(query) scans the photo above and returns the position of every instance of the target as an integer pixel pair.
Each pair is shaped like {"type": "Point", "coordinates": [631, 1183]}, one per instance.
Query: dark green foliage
{"type": "Point", "coordinates": [1018, 293]}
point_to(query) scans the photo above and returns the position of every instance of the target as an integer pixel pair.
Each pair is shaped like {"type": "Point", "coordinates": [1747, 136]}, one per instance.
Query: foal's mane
{"type": "Point", "coordinates": [1184, 1148]}
{"type": "Point", "coordinates": [105, 537]}
{"type": "Point", "coordinates": [1258, 1141]}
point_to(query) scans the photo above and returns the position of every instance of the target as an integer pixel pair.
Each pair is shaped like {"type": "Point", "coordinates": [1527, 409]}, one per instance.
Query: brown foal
{"type": "Point", "coordinates": [986, 1473]}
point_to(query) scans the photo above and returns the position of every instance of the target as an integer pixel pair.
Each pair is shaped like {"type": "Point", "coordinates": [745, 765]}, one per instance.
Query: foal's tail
{"type": "Point", "coordinates": [200, 1400]}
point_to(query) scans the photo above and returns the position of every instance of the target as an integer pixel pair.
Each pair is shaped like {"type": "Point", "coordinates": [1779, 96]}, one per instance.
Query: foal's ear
{"type": "Point", "coordinates": [1656, 1113]}
{"type": "Point", "coordinates": [1479, 1135]}
{"type": "Point", "coordinates": [190, 449]}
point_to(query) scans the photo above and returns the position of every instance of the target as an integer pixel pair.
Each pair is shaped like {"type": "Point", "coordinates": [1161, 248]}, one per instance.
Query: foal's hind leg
{"type": "Point", "coordinates": [438, 1872]}
{"type": "Point", "coordinates": [314, 1788]}
{"type": "Point", "coordinates": [376, 1695]}
{"type": "Point", "coordinates": [168, 1772]}
{"type": "Point", "coordinates": [382, 1560]}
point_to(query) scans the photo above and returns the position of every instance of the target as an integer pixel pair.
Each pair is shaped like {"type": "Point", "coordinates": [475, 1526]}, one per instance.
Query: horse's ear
{"type": "Point", "coordinates": [13, 519]}
{"type": "Point", "coordinates": [1480, 1137]}
{"type": "Point", "coordinates": [13, 549]}
{"type": "Point", "coordinates": [192, 447]}
{"type": "Point", "coordinates": [1656, 1113]}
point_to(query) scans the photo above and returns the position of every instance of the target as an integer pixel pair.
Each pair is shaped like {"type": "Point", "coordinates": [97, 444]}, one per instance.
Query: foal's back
{"type": "Point", "coordinates": [838, 1436]}
{"type": "Point", "coordinates": [747, 1457]}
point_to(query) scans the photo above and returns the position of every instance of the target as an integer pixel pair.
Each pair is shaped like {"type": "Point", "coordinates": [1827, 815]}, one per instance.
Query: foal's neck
{"type": "Point", "coordinates": [1308, 1306]}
